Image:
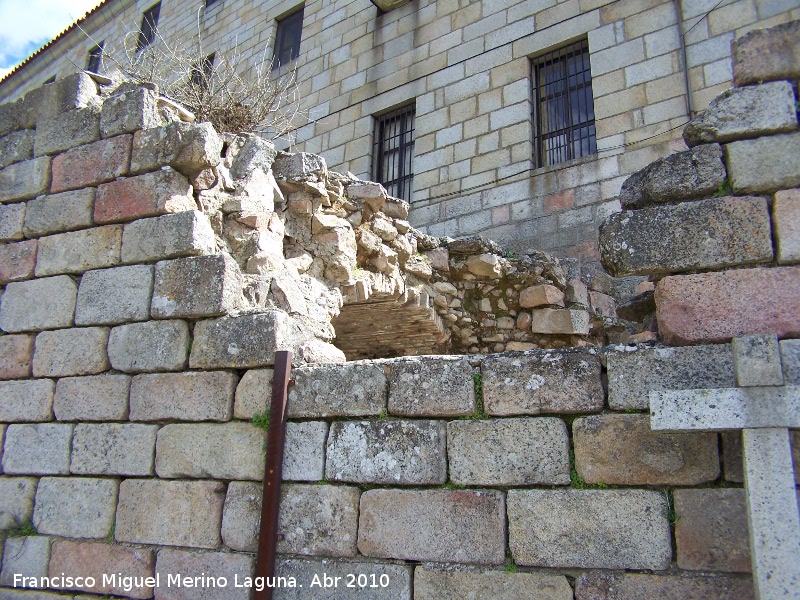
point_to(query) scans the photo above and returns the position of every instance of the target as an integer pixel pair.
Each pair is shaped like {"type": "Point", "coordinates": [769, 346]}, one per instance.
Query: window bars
{"type": "Point", "coordinates": [394, 151]}
{"type": "Point", "coordinates": [147, 32]}
{"type": "Point", "coordinates": [563, 108]}
{"type": "Point", "coordinates": [287, 39]}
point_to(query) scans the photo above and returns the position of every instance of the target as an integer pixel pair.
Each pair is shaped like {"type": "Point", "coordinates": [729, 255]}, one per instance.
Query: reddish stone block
{"type": "Point", "coordinates": [636, 586]}
{"type": "Point", "coordinates": [92, 164]}
{"type": "Point", "coordinates": [16, 353]}
{"type": "Point", "coordinates": [715, 307]}
{"type": "Point", "coordinates": [585, 250]}
{"type": "Point", "coordinates": [147, 195]}
{"type": "Point", "coordinates": [17, 261]}
{"type": "Point", "coordinates": [560, 201]}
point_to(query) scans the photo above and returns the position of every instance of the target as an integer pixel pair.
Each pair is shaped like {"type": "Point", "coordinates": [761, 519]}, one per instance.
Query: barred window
{"type": "Point", "coordinates": [287, 39]}
{"type": "Point", "coordinates": [563, 108]}
{"type": "Point", "coordinates": [95, 58]}
{"type": "Point", "coordinates": [394, 151]}
{"type": "Point", "coordinates": [147, 32]}
{"type": "Point", "coordinates": [201, 72]}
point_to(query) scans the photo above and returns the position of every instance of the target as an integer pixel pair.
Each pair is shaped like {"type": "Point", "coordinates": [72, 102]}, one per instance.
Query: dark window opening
{"type": "Point", "coordinates": [287, 39]}
{"type": "Point", "coordinates": [95, 58]}
{"type": "Point", "coordinates": [200, 75]}
{"type": "Point", "coordinates": [50, 80]}
{"type": "Point", "coordinates": [147, 32]}
{"type": "Point", "coordinates": [210, 3]}
{"type": "Point", "coordinates": [394, 151]}
{"type": "Point", "coordinates": [563, 107]}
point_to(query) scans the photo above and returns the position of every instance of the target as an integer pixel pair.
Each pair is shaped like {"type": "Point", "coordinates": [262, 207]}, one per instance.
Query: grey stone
{"type": "Point", "coordinates": [634, 586]}
{"type": "Point", "coordinates": [767, 54]}
{"type": "Point", "coordinates": [92, 398]}
{"type": "Point", "coordinates": [589, 529]}
{"type": "Point", "coordinates": [431, 583]}
{"type": "Point", "coordinates": [304, 452]}
{"type": "Point", "coordinates": [13, 116]}
{"type": "Point", "coordinates": [26, 401]}
{"type": "Point", "coordinates": [16, 501]}
{"type": "Point", "coordinates": [113, 449]}
{"type": "Point", "coordinates": [61, 132]}
{"type": "Point", "coordinates": [235, 568]}
{"type": "Point", "coordinates": [24, 180]}
{"type": "Point", "coordinates": [398, 452]}
{"type": "Point", "coordinates": [732, 455]}
{"type": "Point", "coordinates": [744, 112]}
{"type": "Point", "coordinates": [9, 594]}
{"type": "Point", "coordinates": [352, 389]}
{"type": "Point", "coordinates": [241, 515]}
{"type": "Point", "coordinates": [129, 109]}
{"type": "Point", "coordinates": [757, 360]}
{"type": "Point", "coordinates": [79, 251]}
{"type": "Point", "coordinates": [170, 513]}
{"type": "Point", "coordinates": [59, 212]}
{"type": "Point", "coordinates": [299, 166]}
{"type": "Point", "coordinates": [149, 346]}
{"type": "Point", "coordinates": [304, 571]}
{"type": "Point", "coordinates": [542, 381]}
{"type": "Point", "coordinates": [634, 371]}
{"type": "Point", "coordinates": [66, 93]}
{"type": "Point", "coordinates": [790, 358]}
{"type": "Point", "coordinates": [560, 322]}
{"type": "Point", "coordinates": [254, 392]}
{"type": "Point", "coordinates": [192, 396]}
{"type": "Point", "coordinates": [456, 526]}
{"type": "Point", "coordinates": [16, 147]}
{"type": "Point", "coordinates": [228, 451]}
{"type": "Point", "coordinates": [26, 556]}
{"type": "Point", "coordinates": [199, 286]}
{"type": "Point", "coordinates": [508, 452]}
{"type": "Point", "coordinates": [255, 153]}
{"type": "Point", "coordinates": [76, 507]}
{"type": "Point", "coordinates": [169, 236]}
{"type": "Point", "coordinates": [707, 234]}
{"type": "Point", "coordinates": [41, 449]}
{"type": "Point", "coordinates": [435, 386]}
{"type": "Point", "coordinates": [66, 352]}
{"type": "Point", "coordinates": [110, 296]}
{"type": "Point", "coordinates": [764, 164]}
{"type": "Point", "coordinates": [12, 217]}
{"type": "Point", "coordinates": [186, 147]}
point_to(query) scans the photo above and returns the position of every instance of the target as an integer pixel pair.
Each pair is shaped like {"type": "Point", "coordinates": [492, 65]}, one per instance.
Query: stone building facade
{"type": "Point", "coordinates": [478, 77]}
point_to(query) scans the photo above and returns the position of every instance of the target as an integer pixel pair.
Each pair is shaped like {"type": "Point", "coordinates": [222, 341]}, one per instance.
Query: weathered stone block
{"type": "Point", "coordinates": [26, 401]}
{"type": "Point", "coordinates": [461, 526]}
{"type": "Point", "coordinates": [767, 54]}
{"type": "Point", "coordinates": [17, 261]}
{"type": "Point", "coordinates": [77, 507]}
{"type": "Point", "coordinates": [732, 455]}
{"type": "Point", "coordinates": [186, 396]}
{"type": "Point", "coordinates": [110, 296]}
{"type": "Point", "coordinates": [41, 449]}
{"type": "Point", "coordinates": [255, 153]}
{"type": "Point", "coordinates": [594, 529]}
{"type": "Point", "coordinates": [66, 93]}
{"type": "Point", "coordinates": [59, 212]}
{"type": "Point", "coordinates": [79, 251]}
{"type": "Point", "coordinates": [16, 353]}
{"type": "Point", "coordinates": [296, 167]}
{"type": "Point", "coordinates": [398, 452]}
{"type": "Point", "coordinates": [12, 217]}
{"type": "Point", "coordinates": [229, 451]}
{"type": "Point", "coordinates": [241, 516]}
{"type": "Point", "coordinates": [441, 386]}
{"type": "Point", "coordinates": [149, 346]}
{"type": "Point", "coordinates": [170, 236]}
{"type": "Point", "coordinates": [399, 586]}
{"type": "Point", "coordinates": [234, 567]}
{"type": "Point", "coordinates": [58, 133]}
{"type": "Point", "coordinates": [199, 286]}
{"type": "Point", "coordinates": [91, 164]}
{"type": "Point", "coordinates": [186, 147]}
{"type": "Point", "coordinates": [13, 116]}
{"type": "Point", "coordinates": [560, 322]}
{"type": "Point", "coordinates": [631, 586]}
{"type": "Point", "coordinates": [95, 559]}
{"type": "Point", "coordinates": [304, 453]}
{"type": "Point", "coordinates": [542, 381]}
{"type": "Point", "coordinates": [254, 392]}
{"type": "Point", "coordinates": [757, 360]}
{"type": "Point", "coordinates": [170, 513]}
{"type": "Point", "coordinates": [714, 307]}
{"type": "Point", "coordinates": [353, 389]}
{"type": "Point", "coordinates": [541, 295]}
{"type": "Point", "coordinates": [786, 224]}
{"type": "Point", "coordinates": [8, 594]}
{"type": "Point", "coordinates": [708, 234]}
{"type": "Point", "coordinates": [159, 193]}
{"type": "Point", "coordinates": [432, 583]}
{"type": "Point", "coordinates": [635, 371]}
{"type": "Point", "coordinates": [128, 110]}
{"type": "Point", "coordinates": [508, 452]}
{"type": "Point", "coordinates": [68, 352]}
{"type": "Point", "coordinates": [26, 556]}
{"type": "Point", "coordinates": [16, 501]}
{"type": "Point", "coordinates": [93, 398]}
{"type": "Point", "coordinates": [764, 164]}
{"type": "Point", "coordinates": [38, 304]}
{"type": "Point", "coordinates": [113, 449]}
{"type": "Point", "coordinates": [16, 147]}
{"type": "Point", "coordinates": [790, 359]}
{"type": "Point", "coordinates": [24, 180]}
{"type": "Point", "coordinates": [622, 449]}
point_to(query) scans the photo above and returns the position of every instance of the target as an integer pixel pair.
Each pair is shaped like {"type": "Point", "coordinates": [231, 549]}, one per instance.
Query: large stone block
{"type": "Point", "coordinates": [26, 401]}
{"type": "Point", "coordinates": [346, 390]}
{"type": "Point", "coordinates": [765, 164]}
{"type": "Point", "coordinates": [298, 166]}
{"type": "Point", "coordinates": [28, 557]}
{"type": "Point", "coordinates": [38, 304]}
{"type": "Point", "coordinates": [16, 147]}
{"type": "Point", "coordinates": [767, 54]}
{"type": "Point", "coordinates": [241, 516]}
{"type": "Point", "coordinates": [542, 381]}
{"type": "Point", "coordinates": [17, 261]}
{"type": "Point", "coordinates": [170, 513]}
{"type": "Point", "coordinates": [129, 109]}
{"type": "Point", "coordinates": [169, 236]}
{"type": "Point", "coordinates": [461, 526]}
{"type": "Point", "coordinates": [91, 164]}
{"type": "Point", "coordinates": [397, 452]}
{"type": "Point", "coordinates": [92, 398]}
{"type": "Point", "coordinates": [228, 451]}
{"type": "Point", "coordinates": [193, 396]}
{"type": "Point", "coordinates": [431, 583]}
{"type": "Point", "coordinates": [304, 452]}
{"type": "Point", "coordinates": [254, 392]}
{"type": "Point", "coordinates": [622, 449]}
{"type": "Point", "coordinates": [9, 594]}
{"type": "Point", "coordinates": [113, 449]}
{"type": "Point", "coordinates": [559, 321]}
{"type": "Point", "coordinates": [715, 307]}
{"type": "Point", "coordinates": [790, 360]}
{"type": "Point", "coordinates": [235, 568]}
{"type": "Point", "coordinates": [186, 147]}
{"type": "Point", "coordinates": [508, 452]}
{"type": "Point", "coordinates": [16, 353]}
{"type": "Point", "coordinates": [59, 212]}
{"type": "Point", "coordinates": [76, 507]}
{"type": "Point", "coordinates": [159, 193]}
{"type": "Point", "coordinates": [79, 251]}
{"type": "Point", "coordinates": [635, 371]}
{"type": "Point", "coordinates": [198, 286]}
{"type": "Point", "coordinates": [58, 133]}
{"type": "Point", "coordinates": [24, 180]}
{"type": "Point", "coordinates": [66, 352]}
{"type": "Point", "coordinates": [149, 346]}
{"type": "Point", "coordinates": [66, 93]}
{"type": "Point", "coordinates": [110, 296]}
{"type": "Point", "coordinates": [633, 586]}
{"type": "Point", "coordinates": [440, 386]}
{"type": "Point", "coordinates": [12, 218]}
{"type": "Point", "coordinates": [786, 224]}
{"type": "Point", "coordinates": [13, 116]}
{"type": "Point", "coordinates": [16, 501]}
{"type": "Point", "coordinates": [305, 570]}
{"type": "Point", "coordinates": [41, 449]}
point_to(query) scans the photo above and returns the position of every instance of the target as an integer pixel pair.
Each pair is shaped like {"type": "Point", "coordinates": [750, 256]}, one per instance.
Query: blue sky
{"type": "Point", "coordinates": [26, 25]}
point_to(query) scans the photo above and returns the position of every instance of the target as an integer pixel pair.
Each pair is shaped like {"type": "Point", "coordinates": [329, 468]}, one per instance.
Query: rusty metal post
{"type": "Point", "coordinates": [273, 471]}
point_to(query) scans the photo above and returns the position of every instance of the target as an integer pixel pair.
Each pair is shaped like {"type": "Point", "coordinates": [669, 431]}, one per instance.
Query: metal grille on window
{"type": "Point", "coordinates": [563, 108]}
{"type": "Point", "coordinates": [147, 32]}
{"type": "Point", "coordinates": [95, 58]}
{"type": "Point", "coordinates": [394, 151]}
{"type": "Point", "coordinates": [287, 39]}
